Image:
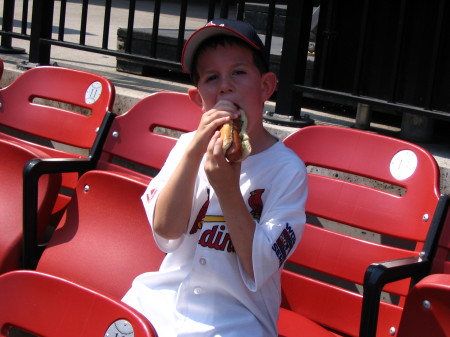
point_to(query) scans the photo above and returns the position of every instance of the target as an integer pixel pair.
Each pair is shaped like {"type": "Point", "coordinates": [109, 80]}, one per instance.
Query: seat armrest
{"type": "Point", "coordinates": [102, 135]}
{"type": "Point", "coordinates": [33, 170]}
{"type": "Point", "coordinates": [379, 274]}
{"type": "Point", "coordinates": [376, 277]}
{"type": "Point", "coordinates": [39, 166]}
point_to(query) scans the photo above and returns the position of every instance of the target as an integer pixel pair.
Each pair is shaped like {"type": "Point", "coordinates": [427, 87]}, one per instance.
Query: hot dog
{"type": "Point", "coordinates": [235, 141]}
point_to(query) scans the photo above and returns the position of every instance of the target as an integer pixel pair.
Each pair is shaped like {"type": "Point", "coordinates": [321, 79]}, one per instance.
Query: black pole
{"type": "Point", "coordinates": [224, 6]}
{"type": "Point", "coordinates": [8, 20]}
{"type": "Point", "coordinates": [293, 64]}
{"type": "Point", "coordinates": [41, 28]}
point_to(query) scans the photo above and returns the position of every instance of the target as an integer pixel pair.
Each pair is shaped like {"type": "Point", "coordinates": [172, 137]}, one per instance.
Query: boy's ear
{"type": "Point", "coordinates": [195, 97]}
{"type": "Point", "coordinates": [269, 84]}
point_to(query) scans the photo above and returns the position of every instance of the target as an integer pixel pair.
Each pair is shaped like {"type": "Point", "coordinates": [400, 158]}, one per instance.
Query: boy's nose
{"type": "Point", "coordinates": [226, 86]}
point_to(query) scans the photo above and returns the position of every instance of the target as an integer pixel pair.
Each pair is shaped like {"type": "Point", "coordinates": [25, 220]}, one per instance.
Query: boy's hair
{"type": "Point", "coordinates": [226, 40]}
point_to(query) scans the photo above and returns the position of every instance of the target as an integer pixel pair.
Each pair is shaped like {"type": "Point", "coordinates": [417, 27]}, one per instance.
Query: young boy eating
{"type": "Point", "coordinates": [227, 227]}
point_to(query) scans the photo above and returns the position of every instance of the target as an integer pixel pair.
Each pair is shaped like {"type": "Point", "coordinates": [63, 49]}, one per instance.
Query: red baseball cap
{"type": "Point", "coordinates": [239, 29]}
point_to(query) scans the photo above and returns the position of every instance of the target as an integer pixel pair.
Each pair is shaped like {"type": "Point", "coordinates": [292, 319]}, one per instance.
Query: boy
{"type": "Point", "coordinates": [227, 228]}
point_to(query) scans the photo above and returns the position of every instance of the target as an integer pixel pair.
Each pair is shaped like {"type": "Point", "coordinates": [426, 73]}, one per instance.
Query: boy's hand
{"type": "Point", "coordinates": [210, 122]}
{"type": "Point", "coordinates": [224, 179]}
{"type": "Point", "coordinates": [222, 175]}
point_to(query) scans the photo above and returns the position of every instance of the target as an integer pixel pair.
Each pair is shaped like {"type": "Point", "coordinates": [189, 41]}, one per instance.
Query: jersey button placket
{"type": "Point", "coordinates": [198, 290]}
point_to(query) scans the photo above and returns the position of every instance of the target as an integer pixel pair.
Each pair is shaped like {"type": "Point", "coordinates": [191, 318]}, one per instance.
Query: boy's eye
{"type": "Point", "coordinates": [211, 78]}
{"type": "Point", "coordinates": [239, 72]}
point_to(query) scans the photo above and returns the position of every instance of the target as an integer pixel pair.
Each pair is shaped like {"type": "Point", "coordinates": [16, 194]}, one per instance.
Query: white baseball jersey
{"type": "Point", "coordinates": [201, 289]}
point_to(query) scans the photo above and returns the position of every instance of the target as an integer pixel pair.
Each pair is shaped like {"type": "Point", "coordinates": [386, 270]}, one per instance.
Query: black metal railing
{"type": "Point", "coordinates": [392, 55]}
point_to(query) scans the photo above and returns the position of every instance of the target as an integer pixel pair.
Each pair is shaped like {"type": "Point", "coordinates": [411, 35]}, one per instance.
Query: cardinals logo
{"type": "Point", "coordinates": [255, 203]}
{"type": "Point", "coordinates": [198, 223]}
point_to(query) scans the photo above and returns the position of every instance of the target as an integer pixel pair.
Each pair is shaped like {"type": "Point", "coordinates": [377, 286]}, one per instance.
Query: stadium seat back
{"type": "Point", "coordinates": [57, 104]}
{"type": "Point", "coordinates": [371, 199]}
{"type": "Point", "coordinates": [44, 305]}
{"type": "Point", "coordinates": [104, 240]}
{"type": "Point", "coordinates": [140, 140]}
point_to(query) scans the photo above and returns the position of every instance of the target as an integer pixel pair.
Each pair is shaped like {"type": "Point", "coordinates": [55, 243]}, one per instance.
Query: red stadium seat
{"type": "Point", "coordinates": [137, 139]}
{"type": "Point", "coordinates": [58, 111]}
{"type": "Point", "coordinates": [45, 305]}
{"type": "Point", "coordinates": [104, 240]}
{"type": "Point", "coordinates": [106, 213]}
{"type": "Point", "coordinates": [135, 145]}
{"type": "Point", "coordinates": [111, 213]}
{"type": "Point", "coordinates": [427, 308]}
{"type": "Point", "coordinates": [352, 226]}
{"type": "Point", "coordinates": [14, 157]}
{"type": "Point", "coordinates": [441, 260]}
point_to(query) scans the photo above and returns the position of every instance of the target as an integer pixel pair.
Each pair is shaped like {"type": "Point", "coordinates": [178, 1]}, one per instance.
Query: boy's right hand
{"type": "Point", "coordinates": [210, 122]}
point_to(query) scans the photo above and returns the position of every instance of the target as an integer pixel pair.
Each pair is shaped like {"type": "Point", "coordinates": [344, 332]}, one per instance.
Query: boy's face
{"type": "Point", "coordinates": [229, 73]}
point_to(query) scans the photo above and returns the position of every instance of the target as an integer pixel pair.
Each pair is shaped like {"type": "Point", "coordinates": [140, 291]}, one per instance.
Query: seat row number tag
{"type": "Point", "coordinates": [403, 164]}
{"type": "Point", "coordinates": [93, 92]}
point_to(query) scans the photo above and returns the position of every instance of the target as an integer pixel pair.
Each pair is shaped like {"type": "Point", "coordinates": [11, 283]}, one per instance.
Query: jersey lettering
{"type": "Point", "coordinates": [284, 243]}
{"type": "Point", "coordinates": [217, 238]}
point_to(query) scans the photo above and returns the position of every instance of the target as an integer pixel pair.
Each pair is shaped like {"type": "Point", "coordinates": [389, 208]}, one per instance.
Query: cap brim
{"type": "Point", "coordinates": [196, 39]}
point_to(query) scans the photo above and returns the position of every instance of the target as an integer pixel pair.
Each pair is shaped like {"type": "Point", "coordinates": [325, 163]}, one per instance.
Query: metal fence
{"type": "Point", "coordinates": [390, 54]}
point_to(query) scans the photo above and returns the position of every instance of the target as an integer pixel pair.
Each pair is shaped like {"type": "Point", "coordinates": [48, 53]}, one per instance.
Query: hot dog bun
{"type": "Point", "coordinates": [235, 141]}
{"type": "Point", "coordinates": [226, 134]}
